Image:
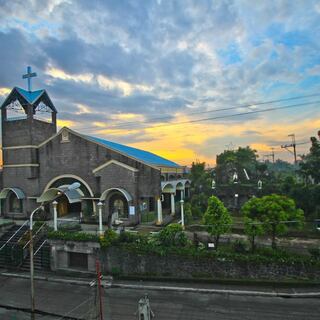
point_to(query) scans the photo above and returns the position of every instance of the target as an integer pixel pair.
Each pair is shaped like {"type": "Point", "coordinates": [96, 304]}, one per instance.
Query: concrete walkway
{"type": "Point", "coordinates": [205, 288]}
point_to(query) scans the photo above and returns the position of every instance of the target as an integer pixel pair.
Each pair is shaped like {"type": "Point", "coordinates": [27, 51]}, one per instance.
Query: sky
{"type": "Point", "coordinates": [143, 72]}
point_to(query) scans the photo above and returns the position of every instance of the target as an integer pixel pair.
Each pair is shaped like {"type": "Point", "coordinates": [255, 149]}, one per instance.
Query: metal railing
{"type": "Point", "coordinates": [25, 223]}
{"type": "Point", "coordinates": [42, 244]}
{"type": "Point", "coordinates": [38, 231]}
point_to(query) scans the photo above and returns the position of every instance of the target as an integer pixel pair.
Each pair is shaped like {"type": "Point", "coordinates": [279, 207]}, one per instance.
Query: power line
{"type": "Point", "coordinates": [223, 116]}
{"type": "Point", "coordinates": [210, 111]}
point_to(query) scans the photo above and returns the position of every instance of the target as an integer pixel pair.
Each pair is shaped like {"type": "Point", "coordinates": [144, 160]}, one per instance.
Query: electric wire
{"type": "Point", "coordinates": [123, 124]}
{"type": "Point", "coordinates": [217, 117]}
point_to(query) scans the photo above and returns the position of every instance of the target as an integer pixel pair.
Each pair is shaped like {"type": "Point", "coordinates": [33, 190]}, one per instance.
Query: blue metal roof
{"type": "Point", "coordinates": [138, 154]}
{"type": "Point", "coordinates": [30, 96]}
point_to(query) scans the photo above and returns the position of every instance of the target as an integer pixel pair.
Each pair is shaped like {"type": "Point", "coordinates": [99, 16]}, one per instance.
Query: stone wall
{"type": "Point", "coordinates": [118, 261]}
{"type": "Point", "coordinates": [60, 253]}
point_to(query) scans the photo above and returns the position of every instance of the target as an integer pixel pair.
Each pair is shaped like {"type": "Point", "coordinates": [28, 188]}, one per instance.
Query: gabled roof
{"type": "Point", "coordinates": [145, 156]}
{"type": "Point", "coordinates": [29, 97]}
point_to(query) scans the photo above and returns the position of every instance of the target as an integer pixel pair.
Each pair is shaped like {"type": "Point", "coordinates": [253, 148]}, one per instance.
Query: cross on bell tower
{"type": "Point", "coordinates": [28, 76]}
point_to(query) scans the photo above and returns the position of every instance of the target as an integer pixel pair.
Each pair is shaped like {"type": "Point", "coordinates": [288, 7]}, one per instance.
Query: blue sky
{"type": "Point", "coordinates": [110, 67]}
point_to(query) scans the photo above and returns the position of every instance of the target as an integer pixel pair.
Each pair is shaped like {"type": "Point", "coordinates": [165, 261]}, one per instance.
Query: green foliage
{"type": "Point", "coordinates": [252, 214]}
{"type": "Point", "coordinates": [188, 213]}
{"type": "Point", "coordinates": [315, 253]}
{"type": "Point", "coordinates": [230, 160]}
{"type": "Point", "coordinates": [200, 178]}
{"type": "Point", "coordinates": [240, 246]}
{"type": "Point", "coordinates": [217, 218]}
{"type": "Point", "coordinates": [273, 211]}
{"type": "Point", "coordinates": [309, 167]}
{"type": "Point", "coordinates": [72, 236]}
{"type": "Point", "coordinates": [172, 235]}
{"type": "Point", "coordinates": [110, 237]}
{"type": "Point", "coordinates": [199, 203]}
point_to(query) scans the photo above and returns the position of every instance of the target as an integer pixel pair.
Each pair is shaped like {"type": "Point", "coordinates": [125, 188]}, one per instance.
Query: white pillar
{"type": "Point", "coordinates": [159, 209]}
{"type": "Point", "coordinates": [173, 209]}
{"type": "Point", "coordinates": [182, 213]}
{"type": "Point", "coordinates": [55, 215]}
{"type": "Point", "coordinates": [182, 195]}
{"type": "Point", "coordinates": [100, 204]}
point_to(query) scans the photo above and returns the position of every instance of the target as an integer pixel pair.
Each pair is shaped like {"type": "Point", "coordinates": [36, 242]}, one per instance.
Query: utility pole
{"type": "Point", "coordinates": [267, 156]}
{"type": "Point", "coordinates": [272, 154]}
{"type": "Point", "coordinates": [293, 146]}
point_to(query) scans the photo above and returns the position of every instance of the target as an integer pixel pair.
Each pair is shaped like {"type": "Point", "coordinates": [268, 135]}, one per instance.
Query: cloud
{"type": "Point", "coordinates": [110, 62]}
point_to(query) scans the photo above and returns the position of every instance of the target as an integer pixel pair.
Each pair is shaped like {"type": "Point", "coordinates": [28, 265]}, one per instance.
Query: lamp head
{"type": "Point", "coordinates": [74, 186]}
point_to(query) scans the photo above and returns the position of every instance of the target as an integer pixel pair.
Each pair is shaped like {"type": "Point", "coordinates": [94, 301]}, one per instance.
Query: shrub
{"type": "Point", "coordinates": [187, 213]}
{"type": "Point", "coordinates": [240, 246]}
{"type": "Point", "coordinates": [315, 253]}
{"type": "Point", "coordinates": [72, 236]}
{"type": "Point", "coordinates": [172, 235]}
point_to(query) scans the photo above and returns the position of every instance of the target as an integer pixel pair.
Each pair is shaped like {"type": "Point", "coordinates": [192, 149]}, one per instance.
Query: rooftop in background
{"type": "Point", "coordinates": [138, 154]}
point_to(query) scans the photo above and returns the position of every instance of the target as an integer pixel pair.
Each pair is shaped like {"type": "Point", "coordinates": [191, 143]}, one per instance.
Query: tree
{"type": "Point", "coordinates": [200, 178]}
{"type": "Point", "coordinates": [217, 219]}
{"type": "Point", "coordinates": [276, 213]}
{"type": "Point", "coordinates": [309, 167]}
{"type": "Point", "coordinates": [253, 227]}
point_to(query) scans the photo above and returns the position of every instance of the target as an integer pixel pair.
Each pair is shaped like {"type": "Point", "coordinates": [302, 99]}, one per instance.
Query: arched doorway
{"type": "Point", "coordinates": [11, 201]}
{"type": "Point", "coordinates": [117, 202]}
{"type": "Point", "coordinates": [74, 203]}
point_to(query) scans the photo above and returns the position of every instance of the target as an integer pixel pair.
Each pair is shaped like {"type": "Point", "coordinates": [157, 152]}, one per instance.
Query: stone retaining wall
{"type": "Point", "coordinates": [118, 261]}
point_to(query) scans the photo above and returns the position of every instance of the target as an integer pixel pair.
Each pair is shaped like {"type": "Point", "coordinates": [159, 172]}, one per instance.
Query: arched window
{"type": "Point", "coordinates": [119, 206]}
{"type": "Point", "coordinates": [15, 204]}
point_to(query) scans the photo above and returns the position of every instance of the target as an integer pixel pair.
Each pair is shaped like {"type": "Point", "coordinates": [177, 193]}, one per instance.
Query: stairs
{"type": "Point", "coordinates": [41, 257]}
{"type": "Point", "coordinates": [11, 251]}
{"type": "Point", "coordinates": [14, 255]}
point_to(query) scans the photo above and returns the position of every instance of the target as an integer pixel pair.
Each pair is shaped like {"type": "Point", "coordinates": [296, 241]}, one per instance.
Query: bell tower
{"type": "Point", "coordinates": [28, 118]}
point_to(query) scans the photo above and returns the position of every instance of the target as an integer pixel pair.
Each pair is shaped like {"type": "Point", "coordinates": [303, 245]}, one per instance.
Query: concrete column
{"type": "Point", "coordinates": [55, 215]}
{"type": "Point", "coordinates": [182, 194]}
{"type": "Point", "coordinates": [100, 204]}
{"type": "Point", "coordinates": [159, 209]}
{"type": "Point", "coordinates": [182, 213]}
{"type": "Point", "coordinates": [173, 209]}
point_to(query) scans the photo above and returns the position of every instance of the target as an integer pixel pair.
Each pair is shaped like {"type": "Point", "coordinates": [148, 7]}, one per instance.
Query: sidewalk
{"type": "Point", "coordinates": [192, 287]}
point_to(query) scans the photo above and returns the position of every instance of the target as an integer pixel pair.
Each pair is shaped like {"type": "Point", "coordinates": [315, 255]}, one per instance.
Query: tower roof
{"type": "Point", "coordinates": [29, 97]}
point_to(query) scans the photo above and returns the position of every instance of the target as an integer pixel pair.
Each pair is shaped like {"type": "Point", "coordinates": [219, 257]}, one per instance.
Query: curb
{"type": "Point", "coordinates": [108, 284]}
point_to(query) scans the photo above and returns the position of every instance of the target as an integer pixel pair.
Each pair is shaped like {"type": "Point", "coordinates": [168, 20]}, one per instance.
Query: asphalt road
{"type": "Point", "coordinates": [119, 303]}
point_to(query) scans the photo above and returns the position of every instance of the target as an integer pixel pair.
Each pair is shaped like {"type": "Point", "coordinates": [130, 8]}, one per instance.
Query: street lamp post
{"type": "Point", "coordinates": [182, 213]}
{"type": "Point", "coordinates": [73, 186]}
{"type": "Point", "coordinates": [55, 215]}
{"type": "Point", "coordinates": [31, 261]}
{"type": "Point", "coordinates": [100, 204]}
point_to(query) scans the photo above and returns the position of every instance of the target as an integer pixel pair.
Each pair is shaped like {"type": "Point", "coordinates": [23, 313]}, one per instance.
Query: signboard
{"type": "Point", "coordinates": [132, 210]}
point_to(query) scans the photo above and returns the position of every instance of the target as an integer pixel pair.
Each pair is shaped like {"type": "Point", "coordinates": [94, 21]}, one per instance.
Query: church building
{"type": "Point", "coordinates": [127, 182]}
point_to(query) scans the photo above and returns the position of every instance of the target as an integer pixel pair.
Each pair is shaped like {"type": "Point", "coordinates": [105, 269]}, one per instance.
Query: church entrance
{"type": "Point", "coordinates": [66, 208]}
{"type": "Point", "coordinates": [73, 204]}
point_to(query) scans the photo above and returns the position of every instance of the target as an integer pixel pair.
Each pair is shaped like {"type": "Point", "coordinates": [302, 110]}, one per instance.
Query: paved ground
{"type": "Point", "coordinates": [120, 303]}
